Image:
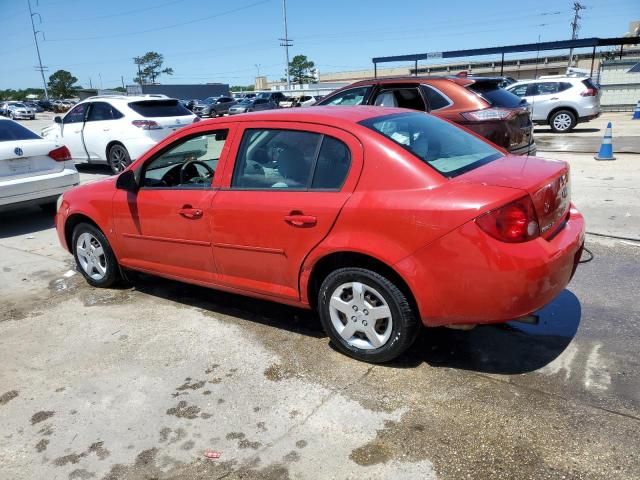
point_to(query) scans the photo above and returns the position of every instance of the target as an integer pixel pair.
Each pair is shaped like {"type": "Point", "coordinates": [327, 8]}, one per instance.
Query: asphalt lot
{"type": "Point", "coordinates": [141, 381]}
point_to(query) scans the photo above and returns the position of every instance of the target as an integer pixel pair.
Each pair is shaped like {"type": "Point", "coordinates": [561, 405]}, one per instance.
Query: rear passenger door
{"type": "Point", "coordinates": [279, 200]}
{"type": "Point", "coordinates": [544, 98]}
{"type": "Point", "coordinates": [99, 129]}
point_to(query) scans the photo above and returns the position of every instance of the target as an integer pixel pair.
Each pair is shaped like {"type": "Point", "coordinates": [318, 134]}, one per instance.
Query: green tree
{"type": "Point", "coordinates": [61, 84]}
{"type": "Point", "coordinates": [150, 67]}
{"type": "Point", "coordinates": [301, 70]}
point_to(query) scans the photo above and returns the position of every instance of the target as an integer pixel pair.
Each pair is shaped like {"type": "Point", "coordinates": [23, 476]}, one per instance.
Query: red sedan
{"type": "Point", "coordinates": [380, 219]}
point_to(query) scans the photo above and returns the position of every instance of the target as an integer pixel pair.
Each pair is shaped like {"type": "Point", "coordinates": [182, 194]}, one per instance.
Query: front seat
{"type": "Point", "coordinates": [386, 99]}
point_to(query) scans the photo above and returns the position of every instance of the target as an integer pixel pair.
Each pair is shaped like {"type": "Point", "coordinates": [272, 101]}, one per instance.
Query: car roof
{"type": "Point", "coordinates": [546, 80]}
{"type": "Point", "coordinates": [463, 81]}
{"type": "Point", "coordinates": [340, 116]}
{"type": "Point", "coordinates": [126, 98]}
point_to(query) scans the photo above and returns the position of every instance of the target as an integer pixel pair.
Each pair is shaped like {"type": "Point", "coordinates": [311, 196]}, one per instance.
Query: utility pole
{"type": "Point", "coordinates": [575, 26]}
{"type": "Point", "coordinates": [40, 68]}
{"type": "Point", "coordinates": [286, 42]}
{"type": "Point", "coordinates": [122, 79]}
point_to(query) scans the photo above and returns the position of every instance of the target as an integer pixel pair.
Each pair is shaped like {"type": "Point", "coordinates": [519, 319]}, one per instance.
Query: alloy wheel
{"type": "Point", "coordinates": [118, 158]}
{"type": "Point", "coordinates": [91, 257]}
{"type": "Point", "coordinates": [361, 315]}
{"type": "Point", "coordinates": [562, 121]}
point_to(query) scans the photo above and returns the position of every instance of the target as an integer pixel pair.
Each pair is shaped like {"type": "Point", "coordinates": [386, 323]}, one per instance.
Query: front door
{"type": "Point", "coordinates": [164, 228]}
{"type": "Point", "coordinates": [281, 199]}
{"type": "Point", "coordinates": [71, 131]}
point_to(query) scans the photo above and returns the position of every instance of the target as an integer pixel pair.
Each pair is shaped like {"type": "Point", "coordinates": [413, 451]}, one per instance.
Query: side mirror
{"type": "Point", "coordinates": [57, 119]}
{"type": "Point", "coordinates": [127, 181]}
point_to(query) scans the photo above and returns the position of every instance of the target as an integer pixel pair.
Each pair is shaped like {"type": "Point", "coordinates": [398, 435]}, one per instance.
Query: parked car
{"type": "Point", "coordinates": [34, 106]}
{"type": "Point", "coordinates": [33, 171]}
{"type": "Point", "coordinates": [380, 219]}
{"type": "Point", "coordinates": [213, 106]}
{"type": "Point", "coordinates": [18, 110]}
{"type": "Point", "coordinates": [478, 104]}
{"type": "Point", "coordinates": [252, 105]}
{"type": "Point", "coordinates": [301, 101]}
{"type": "Point", "coordinates": [560, 102]}
{"type": "Point", "coordinates": [117, 129]}
{"type": "Point", "coordinates": [275, 97]}
{"type": "Point", "coordinates": [46, 105]}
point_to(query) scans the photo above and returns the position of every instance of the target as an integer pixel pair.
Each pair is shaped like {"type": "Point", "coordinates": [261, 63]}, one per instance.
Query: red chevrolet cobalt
{"type": "Point", "coordinates": [381, 219]}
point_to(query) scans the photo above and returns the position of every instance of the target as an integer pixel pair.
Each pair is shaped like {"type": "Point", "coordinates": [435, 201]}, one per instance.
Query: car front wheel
{"type": "Point", "coordinates": [562, 121]}
{"type": "Point", "coordinates": [118, 158]}
{"type": "Point", "coordinates": [366, 315]}
{"type": "Point", "coordinates": [94, 257]}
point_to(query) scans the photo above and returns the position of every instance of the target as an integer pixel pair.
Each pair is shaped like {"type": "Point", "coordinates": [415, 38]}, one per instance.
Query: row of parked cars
{"type": "Point", "coordinates": [115, 130]}
{"type": "Point", "coordinates": [247, 102]}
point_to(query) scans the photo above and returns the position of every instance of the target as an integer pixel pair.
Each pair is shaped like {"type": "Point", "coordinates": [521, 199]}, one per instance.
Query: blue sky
{"type": "Point", "coordinates": [215, 41]}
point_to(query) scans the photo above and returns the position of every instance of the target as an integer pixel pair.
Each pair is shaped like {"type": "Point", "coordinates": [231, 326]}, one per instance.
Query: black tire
{"type": "Point", "coordinates": [404, 321]}
{"type": "Point", "coordinates": [562, 121]}
{"type": "Point", "coordinates": [108, 259]}
{"type": "Point", "coordinates": [118, 158]}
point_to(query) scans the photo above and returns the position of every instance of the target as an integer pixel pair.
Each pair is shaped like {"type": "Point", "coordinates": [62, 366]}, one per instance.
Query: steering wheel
{"type": "Point", "coordinates": [183, 170]}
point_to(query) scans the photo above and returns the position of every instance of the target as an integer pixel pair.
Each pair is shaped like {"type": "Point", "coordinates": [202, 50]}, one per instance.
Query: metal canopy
{"type": "Point", "coordinates": [525, 47]}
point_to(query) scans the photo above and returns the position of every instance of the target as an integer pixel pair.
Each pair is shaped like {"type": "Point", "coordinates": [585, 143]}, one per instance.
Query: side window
{"type": "Point", "coordinates": [532, 90]}
{"type": "Point", "coordinates": [353, 96]}
{"type": "Point", "coordinates": [76, 114]}
{"type": "Point", "coordinates": [401, 97]}
{"type": "Point", "coordinates": [548, 88]}
{"type": "Point", "coordinates": [332, 166]}
{"type": "Point", "coordinates": [436, 99]}
{"type": "Point", "coordinates": [102, 111]}
{"type": "Point", "coordinates": [520, 90]}
{"type": "Point", "coordinates": [275, 159]}
{"type": "Point", "coordinates": [564, 86]}
{"type": "Point", "coordinates": [190, 163]}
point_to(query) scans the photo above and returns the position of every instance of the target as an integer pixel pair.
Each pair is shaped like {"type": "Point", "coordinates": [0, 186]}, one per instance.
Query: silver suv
{"type": "Point", "coordinates": [560, 102]}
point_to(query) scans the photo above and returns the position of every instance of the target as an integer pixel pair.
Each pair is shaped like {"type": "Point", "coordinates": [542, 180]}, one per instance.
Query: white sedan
{"type": "Point", "coordinates": [33, 170]}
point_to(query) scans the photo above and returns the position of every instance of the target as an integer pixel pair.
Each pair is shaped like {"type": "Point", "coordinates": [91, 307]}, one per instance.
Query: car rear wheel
{"type": "Point", "coordinates": [94, 257]}
{"type": "Point", "coordinates": [366, 315]}
{"type": "Point", "coordinates": [562, 121]}
{"type": "Point", "coordinates": [118, 158]}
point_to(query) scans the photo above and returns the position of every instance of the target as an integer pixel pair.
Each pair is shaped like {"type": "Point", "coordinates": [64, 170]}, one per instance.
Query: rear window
{"type": "Point", "coordinates": [446, 148]}
{"type": "Point", "coordinates": [14, 131]}
{"type": "Point", "coordinates": [496, 96]}
{"type": "Point", "coordinates": [590, 83]}
{"type": "Point", "coordinates": [159, 108]}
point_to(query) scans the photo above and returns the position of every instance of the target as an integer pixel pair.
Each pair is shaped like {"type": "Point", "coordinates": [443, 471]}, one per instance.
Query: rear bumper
{"type": "Point", "coordinates": [467, 277]}
{"type": "Point", "coordinates": [36, 190]}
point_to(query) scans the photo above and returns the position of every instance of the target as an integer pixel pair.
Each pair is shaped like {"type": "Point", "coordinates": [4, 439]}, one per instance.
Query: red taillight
{"type": "Point", "coordinates": [61, 154]}
{"type": "Point", "coordinates": [589, 92]}
{"type": "Point", "coordinates": [146, 124]}
{"type": "Point", "coordinates": [489, 114]}
{"type": "Point", "coordinates": [515, 222]}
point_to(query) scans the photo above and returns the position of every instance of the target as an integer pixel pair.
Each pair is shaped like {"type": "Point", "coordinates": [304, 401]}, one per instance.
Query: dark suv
{"type": "Point", "coordinates": [476, 103]}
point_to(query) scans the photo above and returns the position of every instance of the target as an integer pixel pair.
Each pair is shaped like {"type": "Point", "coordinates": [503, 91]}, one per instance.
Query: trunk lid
{"type": "Point", "coordinates": [27, 158]}
{"type": "Point", "coordinates": [546, 181]}
{"type": "Point", "coordinates": [169, 114]}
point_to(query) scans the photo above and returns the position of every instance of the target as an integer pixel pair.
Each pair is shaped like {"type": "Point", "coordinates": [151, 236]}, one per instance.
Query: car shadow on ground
{"type": "Point", "coordinates": [93, 168]}
{"type": "Point", "coordinates": [574, 131]}
{"type": "Point", "coordinates": [216, 302]}
{"type": "Point", "coordinates": [24, 221]}
{"type": "Point", "coordinates": [510, 348]}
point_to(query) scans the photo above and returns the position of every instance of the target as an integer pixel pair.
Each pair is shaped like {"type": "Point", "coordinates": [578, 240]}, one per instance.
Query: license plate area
{"type": "Point", "coordinates": [18, 166]}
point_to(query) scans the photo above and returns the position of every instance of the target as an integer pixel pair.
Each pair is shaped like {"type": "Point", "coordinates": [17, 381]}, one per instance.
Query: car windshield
{"type": "Point", "coordinates": [209, 100]}
{"type": "Point", "coordinates": [14, 131]}
{"type": "Point", "coordinates": [445, 147]}
{"type": "Point", "coordinates": [246, 100]}
{"type": "Point", "coordinates": [19, 105]}
{"type": "Point", "coordinates": [263, 95]}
